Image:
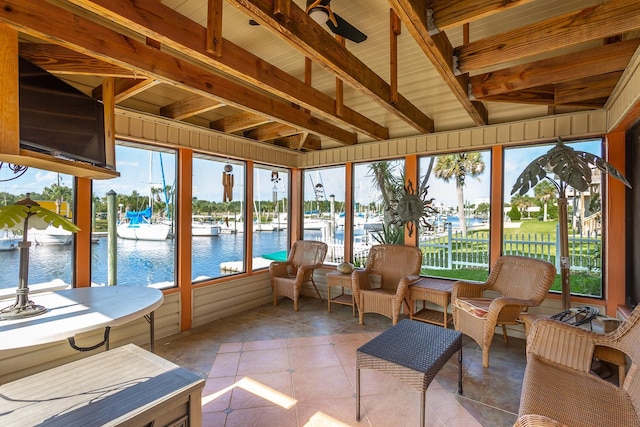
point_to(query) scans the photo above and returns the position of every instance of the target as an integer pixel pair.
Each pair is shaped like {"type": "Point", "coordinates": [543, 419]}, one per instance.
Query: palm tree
{"type": "Point", "coordinates": [458, 166]}
{"type": "Point", "coordinates": [544, 192]}
{"type": "Point", "coordinates": [570, 168]}
{"type": "Point", "coordinates": [385, 180]}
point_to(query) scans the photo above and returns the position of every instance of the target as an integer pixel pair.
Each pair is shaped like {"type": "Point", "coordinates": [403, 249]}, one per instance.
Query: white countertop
{"type": "Point", "coordinates": [72, 311]}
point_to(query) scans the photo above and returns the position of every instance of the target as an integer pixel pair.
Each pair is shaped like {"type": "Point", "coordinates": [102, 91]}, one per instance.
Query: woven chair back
{"type": "Point", "coordinates": [522, 277]}
{"type": "Point", "coordinates": [307, 252]}
{"type": "Point", "coordinates": [393, 262]}
{"type": "Point", "coordinates": [626, 338]}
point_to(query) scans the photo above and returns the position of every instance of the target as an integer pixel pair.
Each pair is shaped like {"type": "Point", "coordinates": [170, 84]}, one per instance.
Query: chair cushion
{"type": "Point", "coordinates": [477, 307]}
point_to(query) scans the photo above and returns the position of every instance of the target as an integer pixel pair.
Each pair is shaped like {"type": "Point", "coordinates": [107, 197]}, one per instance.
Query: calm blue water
{"type": "Point", "coordinates": [140, 263]}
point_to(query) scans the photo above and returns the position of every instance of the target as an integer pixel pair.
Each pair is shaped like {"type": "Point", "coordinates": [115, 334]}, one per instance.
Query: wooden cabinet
{"type": "Point", "coordinates": [126, 386]}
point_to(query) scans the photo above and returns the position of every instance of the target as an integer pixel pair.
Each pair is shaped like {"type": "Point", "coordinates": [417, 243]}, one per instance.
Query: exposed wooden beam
{"type": "Point", "coordinates": [594, 23]}
{"type": "Point", "coordinates": [9, 101]}
{"type": "Point", "coordinates": [126, 88]}
{"type": "Point", "coordinates": [439, 50]}
{"type": "Point", "coordinates": [308, 37]}
{"type": "Point", "coordinates": [214, 27]}
{"type": "Point", "coordinates": [588, 88]}
{"type": "Point", "coordinates": [540, 95]}
{"type": "Point", "coordinates": [599, 60]}
{"type": "Point", "coordinates": [239, 122]}
{"type": "Point", "coordinates": [395, 29]}
{"type": "Point", "coordinates": [304, 141]}
{"type": "Point", "coordinates": [49, 22]}
{"type": "Point", "coordinates": [449, 14]}
{"type": "Point", "coordinates": [340, 85]}
{"type": "Point", "coordinates": [189, 107]}
{"type": "Point", "coordinates": [150, 17]}
{"type": "Point", "coordinates": [60, 60]}
{"type": "Point", "coordinates": [271, 131]}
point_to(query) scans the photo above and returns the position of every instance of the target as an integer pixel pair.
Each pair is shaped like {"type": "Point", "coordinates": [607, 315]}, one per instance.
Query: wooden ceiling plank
{"type": "Point", "coordinates": [308, 142]}
{"type": "Point", "coordinates": [308, 37]}
{"type": "Point", "coordinates": [450, 14]}
{"type": "Point", "coordinates": [594, 87]}
{"type": "Point", "coordinates": [598, 22]}
{"type": "Point", "coordinates": [600, 60]}
{"type": "Point", "coordinates": [60, 60]}
{"type": "Point", "coordinates": [271, 131]}
{"type": "Point", "coordinates": [239, 122]}
{"type": "Point", "coordinates": [51, 23]}
{"type": "Point", "coordinates": [150, 18]}
{"type": "Point", "coordinates": [189, 107]}
{"type": "Point", "coordinates": [439, 50]}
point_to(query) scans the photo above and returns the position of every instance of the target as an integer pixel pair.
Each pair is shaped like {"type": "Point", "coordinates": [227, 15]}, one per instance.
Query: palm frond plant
{"type": "Point", "coordinates": [564, 167]}
{"type": "Point", "coordinates": [22, 215]}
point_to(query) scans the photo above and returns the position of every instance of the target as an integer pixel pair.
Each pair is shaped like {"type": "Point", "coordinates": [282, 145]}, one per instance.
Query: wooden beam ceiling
{"type": "Point", "coordinates": [439, 50]}
{"type": "Point", "coordinates": [150, 17]}
{"type": "Point", "coordinates": [449, 14]}
{"type": "Point", "coordinates": [49, 22]}
{"type": "Point", "coordinates": [308, 37]}
{"type": "Point", "coordinates": [600, 60]}
{"type": "Point", "coordinates": [595, 23]}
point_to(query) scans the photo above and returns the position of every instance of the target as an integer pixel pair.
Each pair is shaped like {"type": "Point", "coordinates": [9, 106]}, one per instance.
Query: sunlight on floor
{"type": "Point", "coordinates": [256, 388]}
{"type": "Point", "coordinates": [320, 419]}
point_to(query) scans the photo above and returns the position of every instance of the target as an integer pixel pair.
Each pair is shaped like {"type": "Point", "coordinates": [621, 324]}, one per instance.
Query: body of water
{"type": "Point", "coordinates": [140, 263]}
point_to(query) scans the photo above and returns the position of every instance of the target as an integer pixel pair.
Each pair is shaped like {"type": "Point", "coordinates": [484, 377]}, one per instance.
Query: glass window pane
{"type": "Point", "coordinates": [324, 210]}
{"type": "Point", "coordinates": [145, 194]}
{"type": "Point", "coordinates": [51, 255]}
{"type": "Point", "coordinates": [270, 209]}
{"type": "Point", "coordinates": [457, 244]}
{"type": "Point", "coordinates": [375, 187]}
{"type": "Point", "coordinates": [531, 226]}
{"type": "Point", "coordinates": [217, 227]}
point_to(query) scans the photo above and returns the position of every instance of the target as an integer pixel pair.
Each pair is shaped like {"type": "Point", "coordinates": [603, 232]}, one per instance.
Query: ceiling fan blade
{"type": "Point", "coordinates": [346, 30]}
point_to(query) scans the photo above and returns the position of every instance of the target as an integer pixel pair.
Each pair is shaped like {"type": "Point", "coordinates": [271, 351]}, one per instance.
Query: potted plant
{"type": "Point", "coordinates": [23, 215]}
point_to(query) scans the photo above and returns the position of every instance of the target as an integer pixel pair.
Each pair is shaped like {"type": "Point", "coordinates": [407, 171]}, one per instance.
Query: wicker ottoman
{"type": "Point", "coordinates": [413, 352]}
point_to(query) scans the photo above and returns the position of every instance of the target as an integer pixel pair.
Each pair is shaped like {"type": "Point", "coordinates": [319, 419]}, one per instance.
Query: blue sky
{"type": "Point", "coordinates": [134, 168]}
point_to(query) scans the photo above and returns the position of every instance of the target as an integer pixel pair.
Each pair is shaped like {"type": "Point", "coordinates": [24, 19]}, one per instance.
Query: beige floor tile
{"type": "Point", "coordinates": [225, 365]}
{"type": "Point", "coordinates": [271, 416]}
{"type": "Point", "coordinates": [263, 361]}
{"type": "Point", "coordinates": [316, 356]}
{"type": "Point", "coordinates": [321, 383]}
{"type": "Point", "coordinates": [263, 345]}
{"type": "Point", "coordinates": [328, 413]}
{"type": "Point", "coordinates": [308, 341]}
{"type": "Point", "coordinates": [257, 390]}
{"type": "Point", "coordinates": [230, 347]}
{"type": "Point", "coordinates": [214, 419]}
{"type": "Point", "coordinates": [216, 394]}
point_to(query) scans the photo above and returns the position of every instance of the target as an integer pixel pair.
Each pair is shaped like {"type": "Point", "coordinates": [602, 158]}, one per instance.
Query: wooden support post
{"type": "Point", "coordinates": [213, 43]}
{"type": "Point", "coordinates": [9, 106]}
{"type": "Point", "coordinates": [395, 27]}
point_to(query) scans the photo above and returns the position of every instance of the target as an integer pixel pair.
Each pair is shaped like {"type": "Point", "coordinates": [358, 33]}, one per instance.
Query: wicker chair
{"type": "Point", "coordinates": [520, 283]}
{"type": "Point", "coordinates": [558, 383]}
{"type": "Point", "coordinates": [396, 266]}
{"type": "Point", "coordinates": [287, 277]}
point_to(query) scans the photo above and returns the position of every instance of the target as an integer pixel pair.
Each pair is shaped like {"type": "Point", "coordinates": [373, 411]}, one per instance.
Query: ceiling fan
{"type": "Point", "coordinates": [320, 11]}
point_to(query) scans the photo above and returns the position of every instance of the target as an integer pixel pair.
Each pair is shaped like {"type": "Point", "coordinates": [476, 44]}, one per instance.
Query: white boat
{"type": "Point", "coordinates": [8, 240]}
{"type": "Point", "coordinates": [50, 236]}
{"type": "Point", "coordinates": [204, 230]}
{"type": "Point", "coordinates": [137, 225]}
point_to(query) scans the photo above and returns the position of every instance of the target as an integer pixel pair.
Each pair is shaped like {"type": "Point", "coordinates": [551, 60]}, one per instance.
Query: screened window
{"type": "Point", "coordinates": [530, 221]}
{"type": "Point", "coordinates": [270, 220]}
{"type": "Point", "coordinates": [145, 219]}
{"type": "Point", "coordinates": [51, 252]}
{"type": "Point", "coordinates": [324, 210]}
{"type": "Point", "coordinates": [456, 242]}
{"type": "Point", "coordinates": [376, 186]}
{"type": "Point", "coordinates": [217, 227]}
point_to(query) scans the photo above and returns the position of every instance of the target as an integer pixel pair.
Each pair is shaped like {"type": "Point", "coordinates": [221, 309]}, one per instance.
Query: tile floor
{"type": "Point", "coordinates": [275, 367]}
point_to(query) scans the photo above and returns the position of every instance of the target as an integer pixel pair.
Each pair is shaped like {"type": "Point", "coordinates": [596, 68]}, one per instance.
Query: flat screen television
{"type": "Point", "coordinates": [58, 119]}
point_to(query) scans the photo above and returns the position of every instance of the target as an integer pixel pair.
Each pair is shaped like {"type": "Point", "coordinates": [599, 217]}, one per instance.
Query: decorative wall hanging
{"type": "Point", "coordinates": [413, 208]}
{"type": "Point", "coordinates": [227, 183]}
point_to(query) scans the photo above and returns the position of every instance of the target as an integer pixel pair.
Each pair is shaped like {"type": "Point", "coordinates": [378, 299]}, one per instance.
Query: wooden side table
{"type": "Point", "coordinates": [335, 278]}
{"type": "Point", "coordinates": [437, 291]}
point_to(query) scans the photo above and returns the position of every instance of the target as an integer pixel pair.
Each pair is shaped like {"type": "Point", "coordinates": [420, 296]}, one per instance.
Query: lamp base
{"type": "Point", "coordinates": [18, 312]}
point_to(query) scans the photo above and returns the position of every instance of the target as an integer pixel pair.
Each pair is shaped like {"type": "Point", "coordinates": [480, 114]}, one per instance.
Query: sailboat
{"type": "Point", "coordinates": [8, 240]}
{"type": "Point", "coordinates": [138, 225]}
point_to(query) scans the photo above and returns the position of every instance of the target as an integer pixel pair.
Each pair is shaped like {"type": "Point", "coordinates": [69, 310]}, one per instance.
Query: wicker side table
{"type": "Point", "coordinates": [413, 352]}
{"type": "Point", "coordinates": [437, 291]}
{"type": "Point", "coordinates": [335, 278]}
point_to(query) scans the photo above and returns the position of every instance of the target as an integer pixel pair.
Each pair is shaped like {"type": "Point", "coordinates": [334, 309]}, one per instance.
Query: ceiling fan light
{"type": "Point", "coordinates": [319, 15]}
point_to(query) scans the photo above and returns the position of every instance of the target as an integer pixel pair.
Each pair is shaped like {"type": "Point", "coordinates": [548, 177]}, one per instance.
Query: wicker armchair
{"type": "Point", "coordinates": [520, 283]}
{"type": "Point", "coordinates": [397, 266]}
{"type": "Point", "coordinates": [559, 385]}
{"type": "Point", "coordinates": [287, 277]}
